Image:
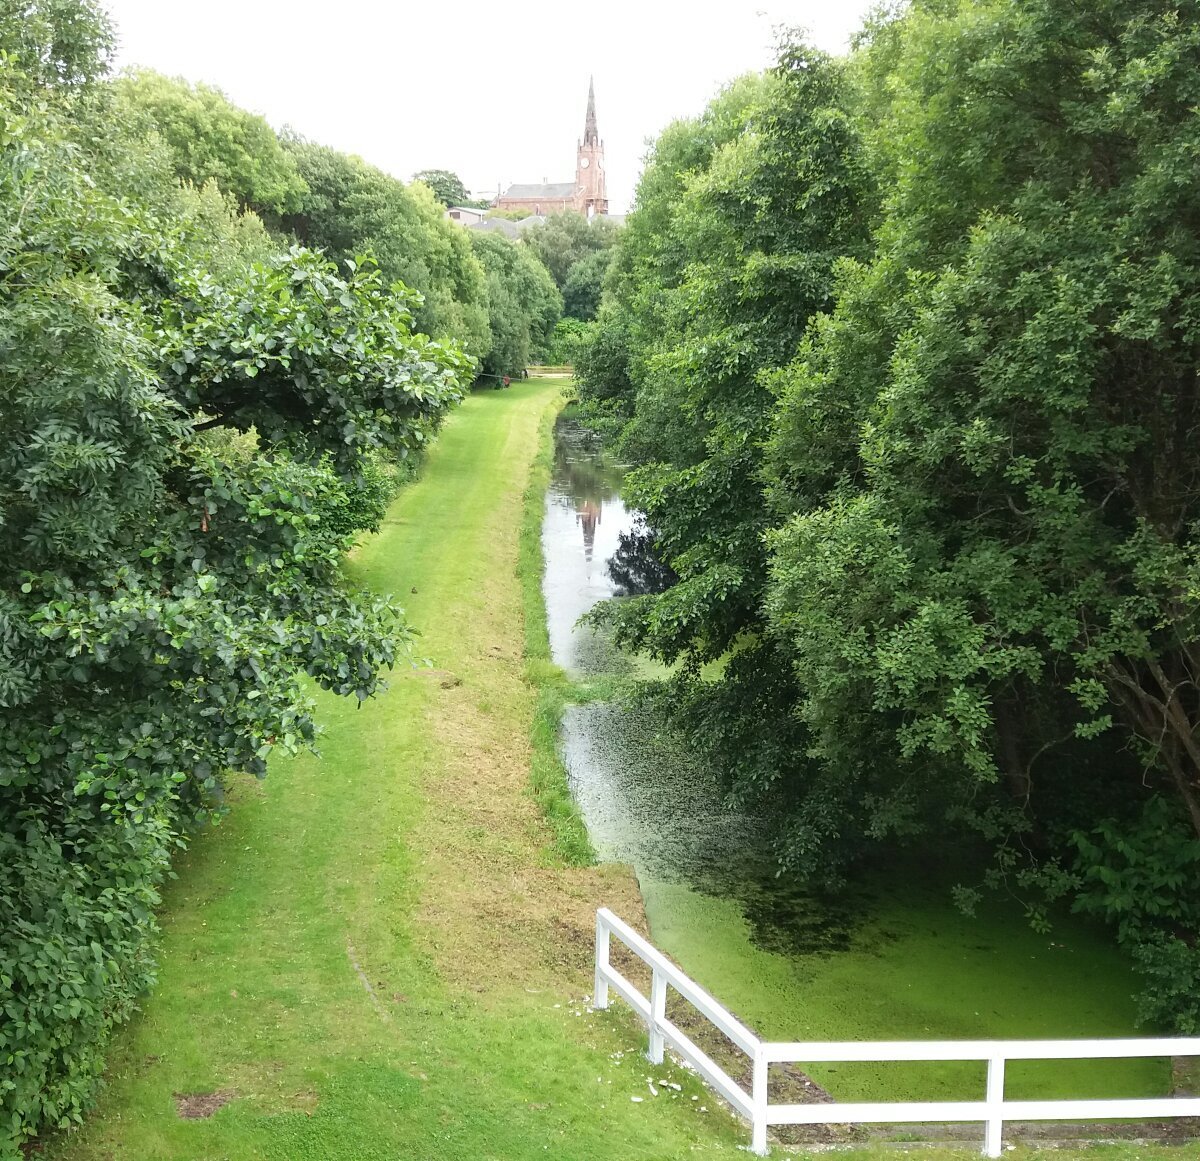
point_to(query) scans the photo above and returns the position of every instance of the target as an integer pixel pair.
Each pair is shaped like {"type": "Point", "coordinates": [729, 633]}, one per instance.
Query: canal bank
{"type": "Point", "coordinates": [377, 954]}
{"type": "Point", "coordinates": [893, 960]}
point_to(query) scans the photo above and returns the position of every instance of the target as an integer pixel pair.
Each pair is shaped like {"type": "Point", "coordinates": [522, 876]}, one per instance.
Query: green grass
{"type": "Point", "coordinates": [376, 847]}
{"type": "Point", "coordinates": [920, 970]}
{"type": "Point", "coordinates": [548, 776]}
{"type": "Point", "coordinates": [413, 848]}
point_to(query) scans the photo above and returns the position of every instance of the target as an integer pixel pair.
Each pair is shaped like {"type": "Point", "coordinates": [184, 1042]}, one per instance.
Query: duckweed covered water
{"type": "Point", "coordinates": [895, 960]}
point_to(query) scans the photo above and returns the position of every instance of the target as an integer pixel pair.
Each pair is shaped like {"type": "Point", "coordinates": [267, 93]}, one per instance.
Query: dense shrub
{"type": "Point", "coordinates": [182, 407]}
{"type": "Point", "coordinates": [359, 504]}
{"type": "Point", "coordinates": [905, 347]}
{"type": "Point", "coordinates": [77, 893]}
{"type": "Point", "coordinates": [569, 337]}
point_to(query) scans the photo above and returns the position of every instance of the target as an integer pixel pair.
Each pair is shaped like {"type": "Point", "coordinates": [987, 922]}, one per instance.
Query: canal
{"type": "Point", "coordinates": [892, 960]}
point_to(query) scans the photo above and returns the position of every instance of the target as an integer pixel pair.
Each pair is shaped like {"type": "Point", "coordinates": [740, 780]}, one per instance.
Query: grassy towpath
{"type": "Point", "coordinates": [377, 954]}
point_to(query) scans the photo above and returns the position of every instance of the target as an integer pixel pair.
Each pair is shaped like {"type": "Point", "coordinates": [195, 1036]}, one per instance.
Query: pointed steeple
{"type": "Point", "coordinates": [590, 134]}
{"type": "Point", "coordinates": [590, 197]}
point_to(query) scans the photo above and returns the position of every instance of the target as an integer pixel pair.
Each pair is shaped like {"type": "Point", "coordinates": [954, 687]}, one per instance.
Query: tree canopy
{"type": "Point", "coordinates": [565, 238]}
{"type": "Point", "coordinates": [585, 282]}
{"type": "Point", "coordinates": [904, 352]}
{"type": "Point", "coordinates": [193, 424]}
{"type": "Point", "coordinates": [353, 208]}
{"type": "Point", "coordinates": [523, 303]}
{"type": "Point", "coordinates": [211, 139]}
{"type": "Point", "coordinates": [447, 187]}
{"type": "Point", "coordinates": [62, 46]}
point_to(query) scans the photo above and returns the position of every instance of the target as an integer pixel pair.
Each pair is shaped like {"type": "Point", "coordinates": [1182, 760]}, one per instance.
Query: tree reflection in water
{"type": "Point", "coordinates": [589, 479]}
{"type": "Point", "coordinates": [636, 567]}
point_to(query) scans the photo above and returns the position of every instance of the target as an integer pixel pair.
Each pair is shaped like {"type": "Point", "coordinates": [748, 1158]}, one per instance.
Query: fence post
{"type": "Point", "coordinates": [658, 1012]}
{"type": "Point", "coordinates": [600, 988]}
{"type": "Point", "coordinates": [993, 1134]}
{"type": "Point", "coordinates": [758, 1095]}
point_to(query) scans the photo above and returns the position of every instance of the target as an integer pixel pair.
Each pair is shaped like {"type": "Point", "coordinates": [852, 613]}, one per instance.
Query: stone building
{"type": "Point", "coordinates": [586, 195]}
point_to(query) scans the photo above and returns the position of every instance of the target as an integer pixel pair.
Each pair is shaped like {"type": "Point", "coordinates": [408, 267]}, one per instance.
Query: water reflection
{"type": "Point", "coordinates": [644, 800]}
{"type": "Point", "coordinates": [636, 567]}
{"type": "Point", "coordinates": [583, 526]}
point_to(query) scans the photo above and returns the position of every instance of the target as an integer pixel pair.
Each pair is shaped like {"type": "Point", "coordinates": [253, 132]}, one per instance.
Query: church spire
{"type": "Point", "coordinates": [590, 134]}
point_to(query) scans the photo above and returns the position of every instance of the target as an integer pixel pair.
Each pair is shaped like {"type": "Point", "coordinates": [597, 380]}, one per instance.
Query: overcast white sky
{"type": "Point", "coordinates": [495, 92]}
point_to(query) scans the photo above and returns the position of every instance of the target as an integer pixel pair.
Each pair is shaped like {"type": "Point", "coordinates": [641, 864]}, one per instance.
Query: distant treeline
{"type": "Point", "coordinates": [488, 293]}
{"type": "Point", "coordinates": [904, 347]}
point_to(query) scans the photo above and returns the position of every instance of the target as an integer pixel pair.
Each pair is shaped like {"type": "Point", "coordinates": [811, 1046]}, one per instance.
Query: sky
{"type": "Point", "coordinates": [495, 92]}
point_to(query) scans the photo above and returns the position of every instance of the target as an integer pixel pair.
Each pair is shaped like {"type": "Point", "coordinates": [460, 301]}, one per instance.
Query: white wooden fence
{"type": "Point", "coordinates": [756, 1107]}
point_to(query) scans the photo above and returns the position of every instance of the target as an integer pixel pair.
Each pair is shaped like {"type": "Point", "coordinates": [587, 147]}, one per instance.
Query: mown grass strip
{"type": "Point", "coordinates": [547, 775]}
{"type": "Point", "coordinates": [411, 857]}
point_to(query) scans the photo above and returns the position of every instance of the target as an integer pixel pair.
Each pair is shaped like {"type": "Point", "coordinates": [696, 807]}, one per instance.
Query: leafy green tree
{"type": "Point", "coordinates": [58, 44]}
{"type": "Point", "coordinates": [570, 334]}
{"type": "Point", "coordinates": [986, 451]}
{"type": "Point", "coordinates": [585, 282]}
{"type": "Point", "coordinates": [164, 589]}
{"type": "Point", "coordinates": [353, 208]}
{"type": "Point", "coordinates": [602, 355]}
{"type": "Point", "coordinates": [776, 194]}
{"type": "Point", "coordinates": [523, 302]}
{"type": "Point", "coordinates": [649, 258]}
{"type": "Point", "coordinates": [565, 238]}
{"type": "Point", "coordinates": [447, 187]}
{"type": "Point", "coordinates": [210, 138]}
{"type": "Point", "coordinates": [513, 215]}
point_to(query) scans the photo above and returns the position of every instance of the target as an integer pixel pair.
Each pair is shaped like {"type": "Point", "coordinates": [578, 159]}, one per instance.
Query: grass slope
{"type": "Point", "coordinates": [381, 953]}
{"type": "Point", "coordinates": [410, 857]}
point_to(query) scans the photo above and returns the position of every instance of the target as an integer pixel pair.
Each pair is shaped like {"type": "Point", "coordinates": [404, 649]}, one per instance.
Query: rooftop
{"type": "Point", "coordinates": [550, 191]}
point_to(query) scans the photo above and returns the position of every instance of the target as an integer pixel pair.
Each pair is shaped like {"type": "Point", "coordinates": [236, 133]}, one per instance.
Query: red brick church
{"type": "Point", "coordinates": [586, 195]}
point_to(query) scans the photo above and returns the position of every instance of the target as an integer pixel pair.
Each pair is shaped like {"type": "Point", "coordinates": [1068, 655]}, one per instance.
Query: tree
{"type": "Point", "coordinates": [353, 208]}
{"type": "Point", "coordinates": [601, 359]}
{"type": "Point", "coordinates": [988, 455]}
{"type": "Point", "coordinates": [447, 187]}
{"type": "Point", "coordinates": [211, 139]}
{"type": "Point", "coordinates": [565, 238]}
{"type": "Point", "coordinates": [523, 303]}
{"type": "Point", "coordinates": [649, 258]}
{"type": "Point", "coordinates": [64, 45]}
{"type": "Point", "coordinates": [776, 195]}
{"type": "Point", "coordinates": [163, 590]}
{"type": "Point", "coordinates": [581, 294]}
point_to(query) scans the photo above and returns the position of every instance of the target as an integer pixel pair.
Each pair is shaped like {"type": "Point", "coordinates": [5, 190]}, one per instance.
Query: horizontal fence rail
{"type": "Point", "coordinates": [992, 1111]}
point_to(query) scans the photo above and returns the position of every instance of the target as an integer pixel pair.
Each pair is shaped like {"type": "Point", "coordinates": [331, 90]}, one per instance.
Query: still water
{"type": "Point", "coordinates": [643, 802]}
{"type": "Point", "coordinates": [582, 530]}
{"type": "Point", "coordinates": [795, 965]}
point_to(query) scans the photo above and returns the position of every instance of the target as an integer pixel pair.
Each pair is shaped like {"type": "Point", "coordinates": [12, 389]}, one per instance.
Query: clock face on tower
{"type": "Point", "coordinates": [584, 163]}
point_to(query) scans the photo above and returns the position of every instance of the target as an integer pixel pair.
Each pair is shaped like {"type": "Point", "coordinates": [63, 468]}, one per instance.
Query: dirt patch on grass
{"type": "Point", "coordinates": [195, 1106]}
{"type": "Point", "coordinates": [501, 909]}
{"type": "Point", "coordinates": [443, 677]}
